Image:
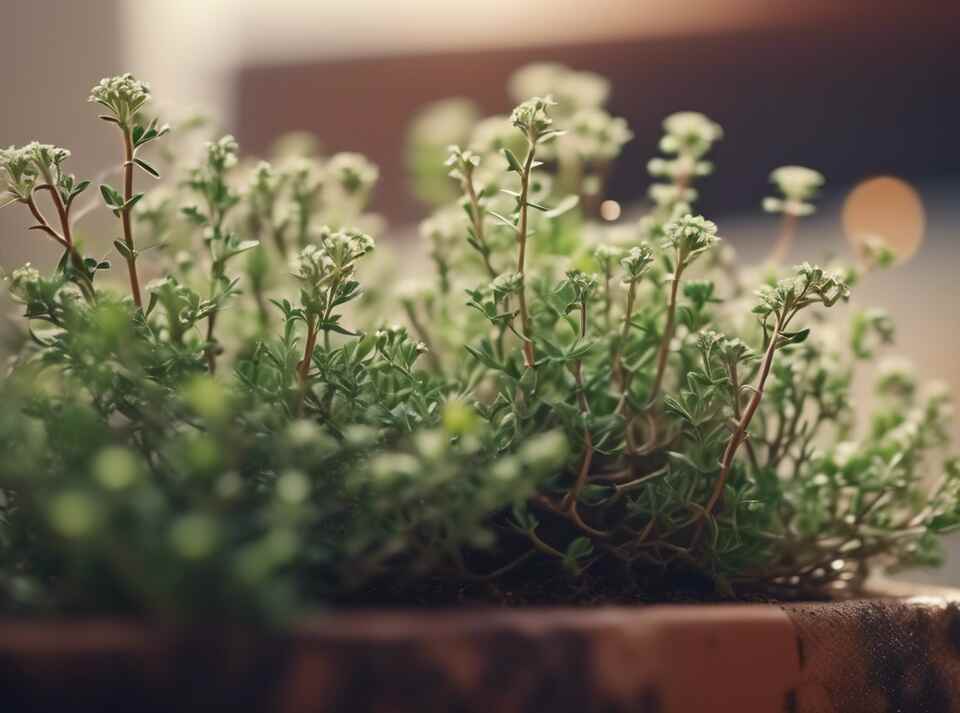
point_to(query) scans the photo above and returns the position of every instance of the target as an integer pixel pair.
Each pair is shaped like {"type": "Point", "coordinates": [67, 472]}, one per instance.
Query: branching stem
{"type": "Point", "coordinates": [788, 230]}
{"type": "Point", "coordinates": [528, 352]}
{"type": "Point", "coordinates": [126, 223]}
{"type": "Point", "coordinates": [303, 372]}
{"type": "Point", "coordinates": [668, 329]}
{"type": "Point", "coordinates": [740, 433]}
{"type": "Point", "coordinates": [476, 217]}
{"type": "Point", "coordinates": [64, 239]}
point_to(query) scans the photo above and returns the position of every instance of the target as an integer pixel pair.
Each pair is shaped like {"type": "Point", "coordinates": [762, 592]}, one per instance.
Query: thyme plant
{"type": "Point", "coordinates": [566, 411]}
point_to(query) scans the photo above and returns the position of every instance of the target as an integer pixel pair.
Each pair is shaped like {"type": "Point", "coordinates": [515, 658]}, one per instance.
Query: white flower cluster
{"type": "Point", "coordinates": [896, 375]}
{"type": "Point", "coordinates": [597, 136]}
{"type": "Point", "coordinates": [352, 173]}
{"type": "Point", "coordinates": [573, 90]}
{"type": "Point", "coordinates": [668, 194]}
{"type": "Point", "coordinates": [461, 162]}
{"type": "Point", "coordinates": [22, 281]}
{"type": "Point", "coordinates": [445, 228]}
{"type": "Point", "coordinates": [345, 246]}
{"type": "Point", "coordinates": [311, 265]}
{"type": "Point", "coordinates": [123, 95]}
{"type": "Point", "coordinates": [606, 255]}
{"type": "Point", "coordinates": [448, 121]}
{"type": "Point", "coordinates": [18, 172]}
{"type": "Point", "coordinates": [532, 116]}
{"type": "Point", "coordinates": [797, 184]}
{"type": "Point", "coordinates": [689, 132]}
{"type": "Point", "coordinates": [317, 266]}
{"type": "Point", "coordinates": [493, 134]}
{"type": "Point", "coordinates": [636, 262]}
{"type": "Point", "coordinates": [507, 283]}
{"type": "Point", "coordinates": [21, 168]}
{"type": "Point", "coordinates": [222, 154]}
{"type": "Point", "coordinates": [690, 236]}
{"type": "Point", "coordinates": [688, 135]}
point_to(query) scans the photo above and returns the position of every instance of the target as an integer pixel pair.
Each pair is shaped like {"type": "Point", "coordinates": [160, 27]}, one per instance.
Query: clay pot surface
{"type": "Point", "coordinates": [869, 656]}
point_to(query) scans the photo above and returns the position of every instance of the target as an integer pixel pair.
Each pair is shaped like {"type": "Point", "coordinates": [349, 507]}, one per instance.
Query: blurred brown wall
{"type": "Point", "coordinates": [850, 88]}
{"type": "Point", "coordinates": [52, 52]}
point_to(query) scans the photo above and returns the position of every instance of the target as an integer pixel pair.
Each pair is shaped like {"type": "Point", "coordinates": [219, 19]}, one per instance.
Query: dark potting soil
{"type": "Point", "coordinates": [541, 585]}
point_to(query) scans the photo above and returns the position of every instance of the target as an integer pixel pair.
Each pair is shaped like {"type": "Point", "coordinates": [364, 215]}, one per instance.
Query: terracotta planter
{"type": "Point", "coordinates": [867, 656]}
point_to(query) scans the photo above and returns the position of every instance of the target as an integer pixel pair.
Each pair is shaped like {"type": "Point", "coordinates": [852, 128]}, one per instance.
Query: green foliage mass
{"type": "Point", "coordinates": [569, 412]}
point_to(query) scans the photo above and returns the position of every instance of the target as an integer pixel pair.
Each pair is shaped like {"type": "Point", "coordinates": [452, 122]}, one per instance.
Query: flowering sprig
{"type": "Point", "coordinates": [124, 96]}
{"type": "Point", "coordinates": [209, 182]}
{"type": "Point", "coordinates": [39, 167]}
{"type": "Point", "coordinates": [18, 171]}
{"type": "Point", "coordinates": [688, 238]}
{"type": "Point", "coordinates": [798, 185]}
{"type": "Point", "coordinates": [596, 136]}
{"type": "Point", "coordinates": [778, 305]}
{"type": "Point", "coordinates": [325, 273]}
{"type": "Point", "coordinates": [23, 283]}
{"type": "Point", "coordinates": [811, 285]}
{"type": "Point", "coordinates": [606, 257]}
{"type": "Point", "coordinates": [688, 137]}
{"type": "Point", "coordinates": [352, 173]}
{"type": "Point", "coordinates": [532, 118]}
{"type": "Point", "coordinates": [636, 263]}
{"type": "Point", "coordinates": [574, 90]}
{"type": "Point", "coordinates": [462, 164]}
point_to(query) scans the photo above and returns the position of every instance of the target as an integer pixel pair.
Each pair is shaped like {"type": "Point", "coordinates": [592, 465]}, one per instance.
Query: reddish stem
{"type": "Point", "coordinates": [125, 216]}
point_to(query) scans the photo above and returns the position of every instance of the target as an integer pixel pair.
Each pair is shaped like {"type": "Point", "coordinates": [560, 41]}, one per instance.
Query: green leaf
{"type": "Point", "coordinates": [132, 202]}
{"type": "Point", "coordinates": [111, 196]}
{"type": "Point", "coordinates": [503, 219]}
{"type": "Point", "coordinates": [332, 326]}
{"type": "Point", "coordinates": [79, 188]}
{"type": "Point", "coordinates": [513, 161]}
{"type": "Point", "coordinates": [567, 204]}
{"type": "Point", "coordinates": [549, 136]}
{"type": "Point", "coordinates": [579, 548]}
{"type": "Point", "coordinates": [124, 249]}
{"type": "Point", "coordinates": [241, 247]}
{"type": "Point", "coordinates": [797, 337]}
{"type": "Point", "coordinates": [147, 167]}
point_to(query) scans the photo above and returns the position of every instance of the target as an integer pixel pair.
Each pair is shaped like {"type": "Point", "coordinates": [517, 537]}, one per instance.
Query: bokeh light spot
{"type": "Point", "coordinates": [885, 208]}
{"type": "Point", "coordinates": [609, 210]}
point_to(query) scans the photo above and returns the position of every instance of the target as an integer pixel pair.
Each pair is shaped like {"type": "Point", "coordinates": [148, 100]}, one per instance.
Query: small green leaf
{"type": "Point", "coordinates": [513, 161]}
{"type": "Point", "coordinates": [503, 219]}
{"type": "Point", "coordinates": [111, 196]}
{"type": "Point", "coordinates": [132, 202]}
{"type": "Point", "coordinates": [567, 204]}
{"type": "Point", "coordinates": [124, 249]}
{"type": "Point", "coordinates": [331, 326]}
{"type": "Point", "coordinates": [147, 167]}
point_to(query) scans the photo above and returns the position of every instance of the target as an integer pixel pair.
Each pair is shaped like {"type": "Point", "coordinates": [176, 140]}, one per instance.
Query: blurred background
{"type": "Point", "coordinates": [856, 89]}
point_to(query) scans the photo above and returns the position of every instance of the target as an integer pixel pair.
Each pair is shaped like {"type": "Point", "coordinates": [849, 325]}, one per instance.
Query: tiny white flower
{"type": "Point", "coordinates": [352, 172]}
{"type": "Point", "coordinates": [596, 135]}
{"type": "Point", "coordinates": [123, 95]}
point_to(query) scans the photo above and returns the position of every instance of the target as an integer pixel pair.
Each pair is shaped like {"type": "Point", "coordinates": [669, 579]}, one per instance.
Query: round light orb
{"type": "Point", "coordinates": [888, 209]}
{"type": "Point", "coordinates": [609, 210]}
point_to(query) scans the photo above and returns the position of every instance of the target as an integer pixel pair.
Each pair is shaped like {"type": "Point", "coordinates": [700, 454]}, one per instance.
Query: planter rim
{"type": "Point", "coordinates": [856, 656]}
